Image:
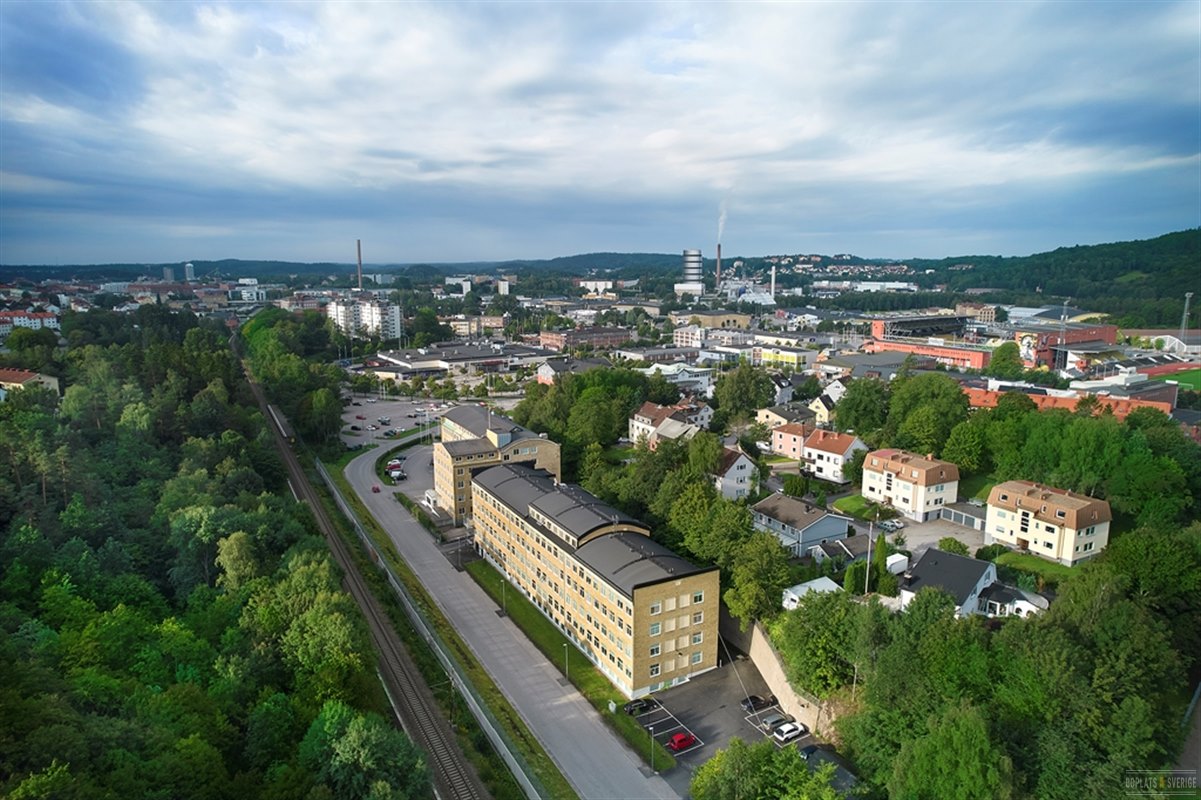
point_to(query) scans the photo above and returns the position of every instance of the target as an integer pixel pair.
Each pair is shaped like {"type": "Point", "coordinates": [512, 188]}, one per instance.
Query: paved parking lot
{"type": "Point", "coordinates": [921, 536]}
{"type": "Point", "coordinates": [399, 411]}
{"type": "Point", "coordinates": [664, 726]}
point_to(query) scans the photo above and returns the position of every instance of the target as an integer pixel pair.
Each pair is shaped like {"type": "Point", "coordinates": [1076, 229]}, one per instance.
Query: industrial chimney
{"type": "Point", "coordinates": [358, 243]}
{"type": "Point", "coordinates": [718, 284]}
{"type": "Point", "coordinates": [773, 281]}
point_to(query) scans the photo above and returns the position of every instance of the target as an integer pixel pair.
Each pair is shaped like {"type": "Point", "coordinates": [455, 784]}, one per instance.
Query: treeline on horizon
{"type": "Point", "coordinates": [1098, 265]}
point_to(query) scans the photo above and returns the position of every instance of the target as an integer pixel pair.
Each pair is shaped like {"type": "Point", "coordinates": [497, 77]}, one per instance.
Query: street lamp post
{"type": "Point", "coordinates": [651, 732]}
{"type": "Point", "coordinates": [566, 672]}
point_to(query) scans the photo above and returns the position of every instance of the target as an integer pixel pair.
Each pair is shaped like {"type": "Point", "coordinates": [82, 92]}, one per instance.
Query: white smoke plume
{"type": "Point", "coordinates": [721, 220]}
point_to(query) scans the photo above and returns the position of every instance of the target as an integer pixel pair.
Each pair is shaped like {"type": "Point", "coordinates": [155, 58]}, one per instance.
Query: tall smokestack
{"type": "Point", "coordinates": [718, 284]}
{"type": "Point", "coordinates": [773, 281]}
{"type": "Point", "coordinates": [358, 243]}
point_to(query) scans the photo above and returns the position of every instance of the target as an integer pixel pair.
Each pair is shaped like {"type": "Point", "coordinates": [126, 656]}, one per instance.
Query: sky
{"type": "Point", "coordinates": [174, 131]}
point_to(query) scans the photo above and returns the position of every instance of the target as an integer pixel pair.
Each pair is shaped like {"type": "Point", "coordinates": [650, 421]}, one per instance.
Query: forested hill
{"type": "Point", "coordinates": [1164, 267]}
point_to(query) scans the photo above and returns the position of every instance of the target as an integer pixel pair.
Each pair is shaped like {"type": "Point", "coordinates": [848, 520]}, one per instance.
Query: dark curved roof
{"type": "Point", "coordinates": [629, 560]}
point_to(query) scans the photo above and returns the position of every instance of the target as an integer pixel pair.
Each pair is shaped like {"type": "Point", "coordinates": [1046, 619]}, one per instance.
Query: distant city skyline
{"type": "Point", "coordinates": [168, 132]}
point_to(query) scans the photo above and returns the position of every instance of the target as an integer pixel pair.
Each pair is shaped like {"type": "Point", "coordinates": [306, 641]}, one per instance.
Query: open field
{"type": "Point", "coordinates": [1190, 379]}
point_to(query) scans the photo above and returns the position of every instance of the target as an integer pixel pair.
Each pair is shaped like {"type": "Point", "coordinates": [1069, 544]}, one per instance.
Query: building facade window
{"type": "Point", "coordinates": [696, 657]}
{"type": "Point", "coordinates": [655, 650]}
{"type": "Point", "coordinates": [656, 608]}
{"type": "Point", "coordinates": [655, 628]}
{"type": "Point", "coordinates": [697, 638]}
{"type": "Point", "coordinates": [654, 670]}
{"type": "Point", "coordinates": [698, 618]}
{"type": "Point", "coordinates": [698, 597]}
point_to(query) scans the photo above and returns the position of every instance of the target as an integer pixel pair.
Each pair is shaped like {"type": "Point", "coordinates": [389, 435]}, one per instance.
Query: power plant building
{"type": "Point", "coordinates": [694, 275]}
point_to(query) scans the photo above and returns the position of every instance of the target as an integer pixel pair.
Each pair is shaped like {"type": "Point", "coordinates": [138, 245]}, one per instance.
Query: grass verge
{"type": "Point", "coordinates": [595, 687]}
{"type": "Point", "coordinates": [519, 734]}
{"type": "Point", "coordinates": [976, 486]}
{"type": "Point", "coordinates": [1052, 572]}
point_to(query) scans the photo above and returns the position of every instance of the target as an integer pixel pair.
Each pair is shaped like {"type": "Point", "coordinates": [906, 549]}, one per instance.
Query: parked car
{"type": "Point", "coordinates": [398, 475]}
{"type": "Point", "coordinates": [789, 731]}
{"type": "Point", "coordinates": [359, 416]}
{"type": "Point", "coordinates": [355, 428]}
{"type": "Point", "coordinates": [395, 463]}
{"type": "Point", "coordinates": [375, 488]}
{"type": "Point", "coordinates": [640, 706]}
{"type": "Point", "coordinates": [753, 703]}
{"type": "Point", "coordinates": [356, 403]}
{"type": "Point", "coordinates": [680, 741]}
{"type": "Point", "coordinates": [773, 721]}
{"type": "Point", "coordinates": [373, 427]}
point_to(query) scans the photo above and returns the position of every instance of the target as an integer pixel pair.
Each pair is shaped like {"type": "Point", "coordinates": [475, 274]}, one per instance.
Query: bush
{"type": "Point", "coordinates": [949, 544]}
{"type": "Point", "coordinates": [990, 552]}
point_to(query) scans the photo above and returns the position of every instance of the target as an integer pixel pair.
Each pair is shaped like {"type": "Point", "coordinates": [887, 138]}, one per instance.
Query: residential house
{"type": "Point", "coordinates": [783, 386]}
{"type": "Point", "coordinates": [835, 390]}
{"type": "Point", "coordinates": [972, 583]}
{"type": "Point", "coordinates": [1055, 524]}
{"type": "Point", "coordinates": [649, 420]}
{"type": "Point", "coordinates": [554, 367]}
{"type": "Point", "coordinates": [793, 594]}
{"type": "Point", "coordinates": [789, 440]}
{"type": "Point", "coordinates": [643, 615]}
{"type": "Point", "coordinates": [12, 379]}
{"type": "Point", "coordinates": [845, 550]}
{"type": "Point", "coordinates": [823, 410]}
{"type": "Point", "coordinates": [964, 578]}
{"type": "Point", "coordinates": [917, 487]}
{"type": "Point", "coordinates": [734, 478]}
{"type": "Point", "coordinates": [827, 452]}
{"type": "Point", "coordinates": [775, 416]}
{"type": "Point", "coordinates": [697, 381]}
{"type": "Point", "coordinates": [799, 524]}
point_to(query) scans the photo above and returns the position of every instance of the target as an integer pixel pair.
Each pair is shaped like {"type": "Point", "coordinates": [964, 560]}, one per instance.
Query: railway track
{"type": "Point", "coordinates": [453, 777]}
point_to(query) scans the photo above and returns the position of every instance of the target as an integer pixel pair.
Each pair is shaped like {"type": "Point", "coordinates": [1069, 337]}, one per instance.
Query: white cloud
{"type": "Point", "coordinates": [646, 102]}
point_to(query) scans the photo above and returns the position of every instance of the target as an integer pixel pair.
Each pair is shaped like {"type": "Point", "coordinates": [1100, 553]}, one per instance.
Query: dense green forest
{"type": "Point", "coordinates": [172, 624]}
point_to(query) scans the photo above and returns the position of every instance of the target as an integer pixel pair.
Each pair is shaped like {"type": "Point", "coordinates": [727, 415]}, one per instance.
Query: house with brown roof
{"type": "Point", "coordinates": [734, 478]}
{"type": "Point", "coordinates": [827, 452]}
{"type": "Point", "coordinates": [1055, 524]}
{"type": "Point", "coordinates": [915, 486]}
{"type": "Point", "coordinates": [684, 420]}
{"type": "Point", "coordinates": [789, 440]}
{"type": "Point", "coordinates": [13, 379]}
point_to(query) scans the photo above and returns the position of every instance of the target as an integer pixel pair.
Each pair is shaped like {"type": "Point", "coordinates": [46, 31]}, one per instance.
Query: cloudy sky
{"type": "Point", "coordinates": [171, 131]}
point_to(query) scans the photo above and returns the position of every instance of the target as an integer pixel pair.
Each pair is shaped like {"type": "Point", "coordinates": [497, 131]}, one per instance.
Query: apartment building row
{"type": "Point", "coordinates": [645, 616]}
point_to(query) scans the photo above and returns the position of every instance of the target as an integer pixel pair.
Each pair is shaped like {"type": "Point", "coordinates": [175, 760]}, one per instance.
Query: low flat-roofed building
{"type": "Point", "coordinates": [645, 616]}
{"type": "Point", "coordinates": [1055, 524]}
{"type": "Point", "coordinates": [917, 487]}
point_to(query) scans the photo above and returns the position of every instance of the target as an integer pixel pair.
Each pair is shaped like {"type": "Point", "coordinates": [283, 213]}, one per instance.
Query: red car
{"type": "Point", "coordinates": [681, 741]}
{"type": "Point", "coordinates": [359, 416]}
{"type": "Point", "coordinates": [375, 488]}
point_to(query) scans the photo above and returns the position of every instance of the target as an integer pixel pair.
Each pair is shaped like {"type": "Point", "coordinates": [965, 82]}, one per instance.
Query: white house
{"type": "Point", "coordinates": [793, 594]}
{"type": "Point", "coordinates": [965, 579]}
{"type": "Point", "coordinates": [735, 476]}
{"type": "Point", "coordinates": [827, 452]}
{"type": "Point", "coordinates": [915, 486]}
{"type": "Point", "coordinates": [972, 583]}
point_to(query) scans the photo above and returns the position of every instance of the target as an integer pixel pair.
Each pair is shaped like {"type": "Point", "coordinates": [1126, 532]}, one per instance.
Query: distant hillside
{"type": "Point", "coordinates": [1139, 283]}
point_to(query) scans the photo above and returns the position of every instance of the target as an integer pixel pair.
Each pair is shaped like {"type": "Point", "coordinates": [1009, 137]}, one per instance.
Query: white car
{"type": "Point", "coordinates": [789, 731]}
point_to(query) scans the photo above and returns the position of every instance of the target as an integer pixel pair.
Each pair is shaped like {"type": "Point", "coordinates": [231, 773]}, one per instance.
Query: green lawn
{"type": "Point", "coordinates": [1051, 571]}
{"type": "Point", "coordinates": [855, 505]}
{"type": "Point", "coordinates": [587, 678]}
{"type": "Point", "coordinates": [977, 486]}
{"type": "Point", "coordinates": [1190, 379]}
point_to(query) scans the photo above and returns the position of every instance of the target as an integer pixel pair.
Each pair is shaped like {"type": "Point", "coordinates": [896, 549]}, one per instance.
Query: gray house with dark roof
{"type": "Point", "coordinates": [800, 525]}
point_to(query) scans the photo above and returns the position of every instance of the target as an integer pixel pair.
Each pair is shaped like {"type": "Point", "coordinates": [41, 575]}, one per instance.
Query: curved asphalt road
{"type": "Point", "coordinates": [595, 762]}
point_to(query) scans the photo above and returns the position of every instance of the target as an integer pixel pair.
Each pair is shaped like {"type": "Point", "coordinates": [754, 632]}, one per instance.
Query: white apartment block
{"type": "Point", "coordinates": [365, 316]}
{"type": "Point", "coordinates": [1055, 524]}
{"type": "Point", "coordinates": [915, 486]}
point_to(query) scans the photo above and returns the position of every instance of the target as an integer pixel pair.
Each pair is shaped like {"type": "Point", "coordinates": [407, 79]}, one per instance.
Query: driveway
{"type": "Point", "coordinates": [592, 758]}
{"type": "Point", "coordinates": [921, 536]}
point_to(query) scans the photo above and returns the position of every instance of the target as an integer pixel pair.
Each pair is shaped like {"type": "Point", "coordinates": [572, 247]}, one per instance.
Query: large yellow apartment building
{"type": "Point", "coordinates": [474, 438]}
{"type": "Point", "coordinates": [1053, 523]}
{"type": "Point", "coordinates": [646, 617]}
{"type": "Point", "coordinates": [915, 486]}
